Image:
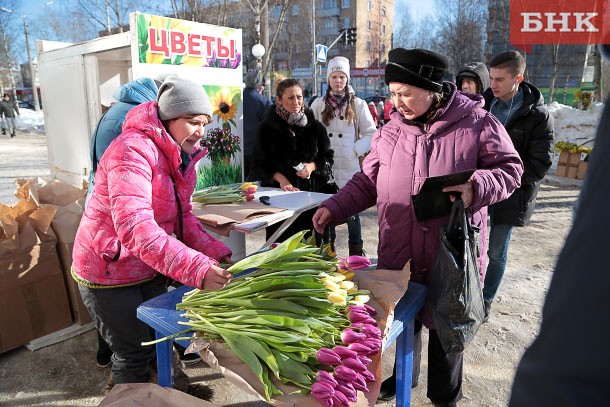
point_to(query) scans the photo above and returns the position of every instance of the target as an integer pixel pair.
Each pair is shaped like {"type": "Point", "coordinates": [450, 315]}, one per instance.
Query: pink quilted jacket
{"type": "Point", "coordinates": [125, 235]}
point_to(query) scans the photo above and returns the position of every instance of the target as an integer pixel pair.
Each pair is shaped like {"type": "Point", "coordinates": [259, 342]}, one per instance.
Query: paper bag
{"type": "Point", "coordinates": [33, 300]}
{"type": "Point", "coordinates": [68, 202]}
{"type": "Point", "coordinates": [386, 288]}
{"type": "Point", "coordinates": [149, 395]}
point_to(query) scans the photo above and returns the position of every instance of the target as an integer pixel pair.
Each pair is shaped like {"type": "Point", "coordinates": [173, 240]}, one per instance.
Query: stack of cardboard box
{"type": "Point", "coordinates": [571, 165]}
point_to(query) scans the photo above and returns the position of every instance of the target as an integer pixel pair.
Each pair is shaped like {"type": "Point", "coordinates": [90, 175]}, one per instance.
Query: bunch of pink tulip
{"type": "Point", "coordinates": [353, 263]}
{"type": "Point", "coordinates": [349, 361]}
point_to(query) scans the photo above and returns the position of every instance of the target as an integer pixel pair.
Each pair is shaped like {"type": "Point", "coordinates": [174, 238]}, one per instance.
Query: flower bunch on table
{"type": "Point", "coordinates": [297, 319]}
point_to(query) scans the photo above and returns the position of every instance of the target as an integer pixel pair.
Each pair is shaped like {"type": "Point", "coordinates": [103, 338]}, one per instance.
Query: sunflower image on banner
{"type": "Point", "coordinates": [220, 139]}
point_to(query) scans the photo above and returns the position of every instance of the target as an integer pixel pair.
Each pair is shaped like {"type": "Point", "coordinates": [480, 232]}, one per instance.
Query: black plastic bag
{"type": "Point", "coordinates": [324, 180]}
{"type": "Point", "coordinates": [455, 286]}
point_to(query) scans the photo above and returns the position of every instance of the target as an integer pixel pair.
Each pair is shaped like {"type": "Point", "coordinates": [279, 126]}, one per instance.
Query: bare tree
{"type": "Point", "coordinates": [9, 33]}
{"type": "Point", "coordinates": [461, 31]}
{"type": "Point", "coordinates": [554, 56]}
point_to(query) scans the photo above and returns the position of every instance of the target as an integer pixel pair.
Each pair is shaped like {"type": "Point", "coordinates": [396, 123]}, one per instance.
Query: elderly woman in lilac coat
{"type": "Point", "coordinates": [434, 130]}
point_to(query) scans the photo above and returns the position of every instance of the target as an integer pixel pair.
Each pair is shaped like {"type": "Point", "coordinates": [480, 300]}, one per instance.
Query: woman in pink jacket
{"type": "Point", "coordinates": [434, 131]}
{"type": "Point", "coordinates": [139, 228]}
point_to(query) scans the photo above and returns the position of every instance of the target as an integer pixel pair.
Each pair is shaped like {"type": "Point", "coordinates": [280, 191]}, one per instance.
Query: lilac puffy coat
{"type": "Point", "coordinates": [461, 136]}
{"type": "Point", "coordinates": [125, 234]}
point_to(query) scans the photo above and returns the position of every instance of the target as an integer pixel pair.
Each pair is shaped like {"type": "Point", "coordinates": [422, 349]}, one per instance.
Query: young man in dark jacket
{"type": "Point", "coordinates": [519, 106]}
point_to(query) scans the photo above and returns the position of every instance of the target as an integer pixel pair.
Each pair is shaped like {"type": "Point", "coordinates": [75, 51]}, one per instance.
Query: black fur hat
{"type": "Point", "coordinates": [416, 67]}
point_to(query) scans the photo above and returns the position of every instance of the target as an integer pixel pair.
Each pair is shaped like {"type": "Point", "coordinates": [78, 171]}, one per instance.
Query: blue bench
{"type": "Point", "coordinates": [160, 313]}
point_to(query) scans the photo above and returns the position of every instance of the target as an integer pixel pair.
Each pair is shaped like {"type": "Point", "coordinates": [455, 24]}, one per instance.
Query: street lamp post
{"type": "Point", "coordinates": [258, 51]}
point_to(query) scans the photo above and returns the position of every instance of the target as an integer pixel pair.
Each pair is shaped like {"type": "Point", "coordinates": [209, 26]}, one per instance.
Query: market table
{"type": "Point", "coordinates": [160, 313]}
{"type": "Point", "coordinates": [293, 204]}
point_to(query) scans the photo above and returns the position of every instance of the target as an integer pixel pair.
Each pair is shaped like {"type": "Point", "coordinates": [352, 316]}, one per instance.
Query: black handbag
{"type": "Point", "coordinates": [455, 289]}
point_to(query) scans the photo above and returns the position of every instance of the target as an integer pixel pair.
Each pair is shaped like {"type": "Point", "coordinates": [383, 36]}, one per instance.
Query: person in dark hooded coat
{"type": "Point", "coordinates": [473, 78]}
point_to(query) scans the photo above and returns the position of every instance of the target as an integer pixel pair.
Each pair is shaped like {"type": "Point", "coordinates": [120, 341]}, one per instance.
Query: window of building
{"type": "Point", "coordinates": [344, 3]}
{"type": "Point", "coordinates": [383, 48]}
{"type": "Point", "coordinates": [368, 62]}
{"type": "Point", "coordinates": [368, 25]}
{"type": "Point", "coordinates": [282, 66]}
{"type": "Point", "coordinates": [295, 65]}
{"type": "Point", "coordinates": [326, 4]}
{"type": "Point", "coordinates": [329, 23]}
{"type": "Point", "coordinates": [295, 9]}
{"type": "Point", "coordinates": [383, 29]}
{"type": "Point", "coordinates": [369, 5]}
{"type": "Point", "coordinates": [383, 11]}
{"type": "Point", "coordinates": [346, 22]}
{"type": "Point", "coordinates": [368, 46]}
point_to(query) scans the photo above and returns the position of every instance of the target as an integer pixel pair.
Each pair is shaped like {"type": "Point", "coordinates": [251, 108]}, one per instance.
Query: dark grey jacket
{"type": "Point", "coordinates": [8, 108]}
{"type": "Point", "coordinates": [568, 366]}
{"type": "Point", "coordinates": [531, 130]}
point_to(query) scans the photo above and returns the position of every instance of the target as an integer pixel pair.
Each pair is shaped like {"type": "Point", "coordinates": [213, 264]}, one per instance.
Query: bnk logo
{"type": "Point", "coordinates": [559, 22]}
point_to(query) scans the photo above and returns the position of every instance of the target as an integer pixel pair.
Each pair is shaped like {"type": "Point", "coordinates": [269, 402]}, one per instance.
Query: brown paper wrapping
{"type": "Point", "coordinates": [149, 395]}
{"type": "Point", "coordinates": [386, 288]}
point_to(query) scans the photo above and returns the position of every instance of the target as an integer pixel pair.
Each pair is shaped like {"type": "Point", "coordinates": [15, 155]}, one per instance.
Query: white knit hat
{"type": "Point", "coordinates": [338, 64]}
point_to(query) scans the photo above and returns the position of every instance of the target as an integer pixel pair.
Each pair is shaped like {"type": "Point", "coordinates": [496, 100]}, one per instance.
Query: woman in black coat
{"type": "Point", "coordinates": [292, 150]}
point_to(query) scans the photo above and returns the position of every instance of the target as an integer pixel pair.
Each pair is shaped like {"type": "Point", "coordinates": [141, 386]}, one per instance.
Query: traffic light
{"type": "Point", "coordinates": [343, 32]}
{"type": "Point", "coordinates": [351, 35]}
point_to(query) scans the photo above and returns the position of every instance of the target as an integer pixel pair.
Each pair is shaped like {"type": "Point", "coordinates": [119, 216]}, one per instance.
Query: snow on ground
{"type": "Point", "coordinates": [30, 120]}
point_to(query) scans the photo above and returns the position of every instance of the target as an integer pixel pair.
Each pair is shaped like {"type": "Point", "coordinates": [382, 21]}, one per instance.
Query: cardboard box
{"type": "Point", "coordinates": [568, 163]}
{"type": "Point", "coordinates": [33, 300]}
{"type": "Point", "coordinates": [582, 169]}
{"type": "Point", "coordinates": [80, 314]}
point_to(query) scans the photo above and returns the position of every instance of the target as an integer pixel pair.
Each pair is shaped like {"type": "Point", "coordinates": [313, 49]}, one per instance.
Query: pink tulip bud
{"type": "Point", "coordinates": [341, 265]}
{"type": "Point", "coordinates": [357, 262]}
{"type": "Point", "coordinates": [350, 336]}
{"type": "Point", "coordinates": [365, 361]}
{"type": "Point", "coordinates": [373, 343]}
{"type": "Point", "coordinates": [347, 389]}
{"type": "Point", "coordinates": [359, 347]}
{"type": "Point", "coordinates": [251, 190]}
{"type": "Point", "coordinates": [345, 352]}
{"type": "Point", "coordinates": [370, 309]}
{"type": "Point", "coordinates": [339, 399]}
{"type": "Point", "coordinates": [249, 197]}
{"type": "Point", "coordinates": [322, 390]}
{"type": "Point", "coordinates": [368, 376]}
{"type": "Point", "coordinates": [371, 331]}
{"type": "Point", "coordinates": [345, 373]}
{"type": "Point", "coordinates": [360, 308]}
{"type": "Point", "coordinates": [328, 357]}
{"type": "Point", "coordinates": [324, 376]}
{"type": "Point", "coordinates": [360, 318]}
{"type": "Point", "coordinates": [355, 364]}
{"type": "Point", "coordinates": [359, 383]}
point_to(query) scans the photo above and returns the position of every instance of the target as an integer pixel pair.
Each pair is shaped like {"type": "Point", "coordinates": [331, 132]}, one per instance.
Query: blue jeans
{"type": "Point", "coordinates": [499, 238]}
{"type": "Point", "coordinates": [354, 231]}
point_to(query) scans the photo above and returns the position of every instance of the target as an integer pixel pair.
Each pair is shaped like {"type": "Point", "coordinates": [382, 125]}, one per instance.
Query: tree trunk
{"type": "Point", "coordinates": [554, 75]}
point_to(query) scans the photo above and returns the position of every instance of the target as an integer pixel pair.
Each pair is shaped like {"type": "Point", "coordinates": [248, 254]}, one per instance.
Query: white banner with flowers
{"type": "Point", "coordinates": [211, 56]}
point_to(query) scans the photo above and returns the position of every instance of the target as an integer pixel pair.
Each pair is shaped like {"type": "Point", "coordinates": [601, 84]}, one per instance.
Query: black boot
{"type": "Point", "coordinates": [388, 388]}
{"type": "Point", "coordinates": [104, 354]}
{"type": "Point", "coordinates": [355, 249]}
{"type": "Point", "coordinates": [4, 131]}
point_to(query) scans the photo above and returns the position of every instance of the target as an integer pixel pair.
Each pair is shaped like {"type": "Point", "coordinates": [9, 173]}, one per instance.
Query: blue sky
{"type": "Point", "coordinates": [417, 8]}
